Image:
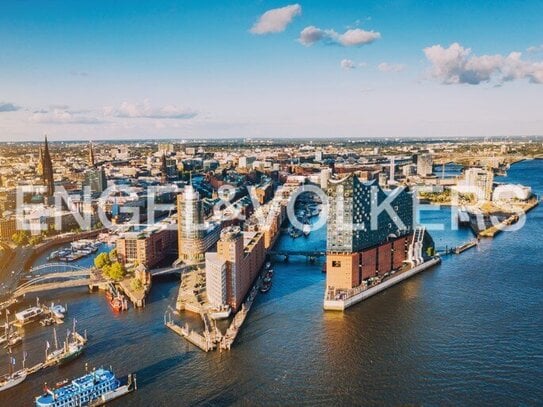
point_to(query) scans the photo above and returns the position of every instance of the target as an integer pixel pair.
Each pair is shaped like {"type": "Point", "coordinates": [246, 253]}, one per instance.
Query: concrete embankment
{"type": "Point", "coordinates": [341, 305]}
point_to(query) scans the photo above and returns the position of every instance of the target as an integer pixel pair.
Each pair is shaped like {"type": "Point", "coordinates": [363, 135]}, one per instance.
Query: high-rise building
{"type": "Point", "coordinates": [195, 236]}
{"type": "Point", "coordinates": [96, 179]}
{"type": "Point", "coordinates": [356, 249]}
{"type": "Point", "coordinates": [425, 165]}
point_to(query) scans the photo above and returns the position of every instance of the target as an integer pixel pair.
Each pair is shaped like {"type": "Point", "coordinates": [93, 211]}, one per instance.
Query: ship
{"type": "Point", "coordinates": [13, 378]}
{"type": "Point", "coordinates": [28, 315]}
{"type": "Point", "coordinates": [73, 347]}
{"type": "Point", "coordinates": [93, 389]}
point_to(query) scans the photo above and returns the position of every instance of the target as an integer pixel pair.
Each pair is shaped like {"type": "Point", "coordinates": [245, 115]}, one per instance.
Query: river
{"type": "Point", "coordinates": [467, 332]}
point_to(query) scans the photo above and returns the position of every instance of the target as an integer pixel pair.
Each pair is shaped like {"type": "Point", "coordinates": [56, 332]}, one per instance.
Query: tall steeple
{"type": "Point", "coordinates": [92, 162]}
{"type": "Point", "coordinates": [48, 170]}
{"type": "Point", "coordinates": [164, 168]}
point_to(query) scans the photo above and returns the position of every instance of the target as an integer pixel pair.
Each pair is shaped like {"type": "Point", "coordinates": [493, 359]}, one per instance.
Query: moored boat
{"type": "Point", "coordinates": [13, 378]}
{"type": "Point", "coordinates": [93, 389]}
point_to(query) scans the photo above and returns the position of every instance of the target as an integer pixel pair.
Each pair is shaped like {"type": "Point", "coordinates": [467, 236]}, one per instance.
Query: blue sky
{"type": "Point", "coordinates": [193, 69]}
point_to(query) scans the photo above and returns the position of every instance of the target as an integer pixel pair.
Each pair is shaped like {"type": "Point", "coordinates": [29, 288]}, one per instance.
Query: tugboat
{"type": "Point", "coordinates": [13, 378]}
{"type": "Point", "coordinates": [93, 389]}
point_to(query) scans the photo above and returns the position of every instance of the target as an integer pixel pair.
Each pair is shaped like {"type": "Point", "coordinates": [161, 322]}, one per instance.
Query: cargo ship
{"type": "Point", "coordinates": [93, 389]}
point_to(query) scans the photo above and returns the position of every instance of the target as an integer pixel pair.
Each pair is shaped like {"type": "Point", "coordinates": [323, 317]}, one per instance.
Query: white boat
{"type": "Point", "coordinates": [28, 315]}
{"type": "Point", "coordinates": [13, 378]}
{"type": "Point", "coordinates": [57, 311]}
{"type": "Point", "coordinates": [306, 229]}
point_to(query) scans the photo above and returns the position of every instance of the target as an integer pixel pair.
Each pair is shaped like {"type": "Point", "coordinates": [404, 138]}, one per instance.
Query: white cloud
{"type": "Point", "coordinates": [62, 116]}
{"type": "Point", "coordinates": [347, 64]}
{"type": "Point", "coordinates": [351, 38]}
{"type": "Point", "coordinates": [388, 67]}
{"type": "Point", "coordinates": [456, 65]}
{"type": "Point", "coordinates": [276, 20]}
{"type": "Point", "coordinates": [146, 111]}
{"type": "Point", "coordinates": [535, 49]}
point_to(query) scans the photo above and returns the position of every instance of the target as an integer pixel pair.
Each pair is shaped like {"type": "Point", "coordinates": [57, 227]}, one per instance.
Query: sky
{"type": "Point", "coordinates": [90, 70]}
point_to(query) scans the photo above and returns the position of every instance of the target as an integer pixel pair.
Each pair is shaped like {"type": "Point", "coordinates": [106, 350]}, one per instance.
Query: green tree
{"type": "Point", "coordinates": [113, 255]}
{"type": "Point", "coordinates": [20, 237]}
{"type": "Point", "coordinates": [117, 271]}
{"type": "Point", "coordinates": [34, 240]}
{"type": "Point", "coordinates": [136, 284]}
{"type": "Point", "coordinates": [102, 260]}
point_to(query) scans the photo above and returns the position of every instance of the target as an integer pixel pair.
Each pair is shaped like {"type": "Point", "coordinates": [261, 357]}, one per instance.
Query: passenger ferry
{"type": "Point", "coordinates": [93, 389]}
{"type": "Point", "coordinates": [28, 315]}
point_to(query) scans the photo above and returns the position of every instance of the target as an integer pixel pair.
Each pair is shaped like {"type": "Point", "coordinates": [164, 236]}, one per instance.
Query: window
{"type": "Point", "coordinates": [336, 263]}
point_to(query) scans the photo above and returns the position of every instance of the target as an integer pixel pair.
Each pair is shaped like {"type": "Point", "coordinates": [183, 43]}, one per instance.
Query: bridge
{"type": "Point", "coordinates": [53, 276]}
{"type": "Point", "coordinates": [310, 254]}
{"type": "Point", "coordinates": [171, 270]}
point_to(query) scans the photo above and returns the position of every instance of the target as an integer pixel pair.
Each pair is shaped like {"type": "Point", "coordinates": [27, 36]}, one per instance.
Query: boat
{"type": "Point", "coordinates": [28, 315]}
{"type": "Point", "coordinates": [57, 311]}
{"type": "Point", "coordinates": [54, 255]}
{"type": "Point", "coordinates": [118, 303]}
{"type": "Point", "coordinates": [265, 287]}
{"type": "Point", "coordinates": [14, 339]}
{"type": "Point", "coordinates": [13, 378]}
{"type": "Point", "coordinates": [73, 347]}
{"type": "Point", "coordinates": [92, 389]}
{"type": "Point", "coordinates": [306, 229]}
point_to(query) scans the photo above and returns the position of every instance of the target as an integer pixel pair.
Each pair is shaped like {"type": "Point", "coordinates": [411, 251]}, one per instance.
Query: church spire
{"type": "Point", "coordinates": [92, 162]}
{"type": "Point", "coordinates": [47, 169]}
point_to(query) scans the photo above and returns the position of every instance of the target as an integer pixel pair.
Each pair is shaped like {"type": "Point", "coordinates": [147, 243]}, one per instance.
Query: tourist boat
{"type": "Point", "coordinates": [13, 378]}
{"type": "Point", "coordinates": [28, 315]}
{"type": "Point", "coordinates": [93, 389]}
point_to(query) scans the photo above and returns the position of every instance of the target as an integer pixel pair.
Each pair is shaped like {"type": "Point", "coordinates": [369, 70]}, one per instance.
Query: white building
{"type": "Point", "coordinates": [216, 279]}
{"type": "Point", "coordinates": [479, 182]}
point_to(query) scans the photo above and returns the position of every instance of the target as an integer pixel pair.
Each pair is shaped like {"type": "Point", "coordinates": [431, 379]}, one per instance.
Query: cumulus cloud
{"type": "Point", "coordinates": [457, 65]}
{"type": "Point", "coordinates": [276, 20]}
{"type": "Point", "coordinates": [146, 111]}
{"type": "Point", "coordinates": [387, 67]}
{"type": "Point", "coordinates": [8, 107]}
{"type": "Point", "coordinates": [355, 37]}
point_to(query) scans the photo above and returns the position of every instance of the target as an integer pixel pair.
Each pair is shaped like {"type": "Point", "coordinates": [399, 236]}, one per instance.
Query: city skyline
{"type": "Point", "coordinates": [269, 69]}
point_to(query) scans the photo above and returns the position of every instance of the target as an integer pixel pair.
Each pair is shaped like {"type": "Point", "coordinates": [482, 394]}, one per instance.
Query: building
{"type": "Point", "coordinates": [96, 179]}
{"type": "Point", "coordinates": [246, 162]}
{"type": "Point", "coordinates": [195, 236]}
{"type": "Point", "coordinates": [148, 247]}
{"type": "Point", "coordinates": [357, 251]}
{"type": "Point", "coordinates": [478, 182]}
{"type": "Point", "coordinates": [46, 166]}
{"type": "Point", "coordinates": [8, 227]}
{"type": "Point", "coordinates": [425, 165]}
{"type": "Point", "coordinates": [232, 270]}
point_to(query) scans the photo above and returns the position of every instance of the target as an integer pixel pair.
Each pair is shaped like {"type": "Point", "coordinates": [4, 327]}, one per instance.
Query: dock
{"type": "Point", "coordinates": [359, 294]}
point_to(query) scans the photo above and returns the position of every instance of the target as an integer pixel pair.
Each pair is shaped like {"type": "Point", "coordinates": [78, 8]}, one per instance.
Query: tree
{"type": "Point", "coordinates": [117, 271]}
{"type": "Point", "coordinates": [113, 255]}
{"type": "Point", "coordinates": [34, 240]}
{"type": "Point", "coordinates": [136, 284]}
{"type": "Point", "coordinates": [102, 260]}
{"type": "Point", "coordinates": [20, 237]}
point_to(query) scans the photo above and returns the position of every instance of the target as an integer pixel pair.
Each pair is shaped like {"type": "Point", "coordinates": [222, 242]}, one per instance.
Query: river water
{"type": "Point", "coordinates": [467, 332]}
